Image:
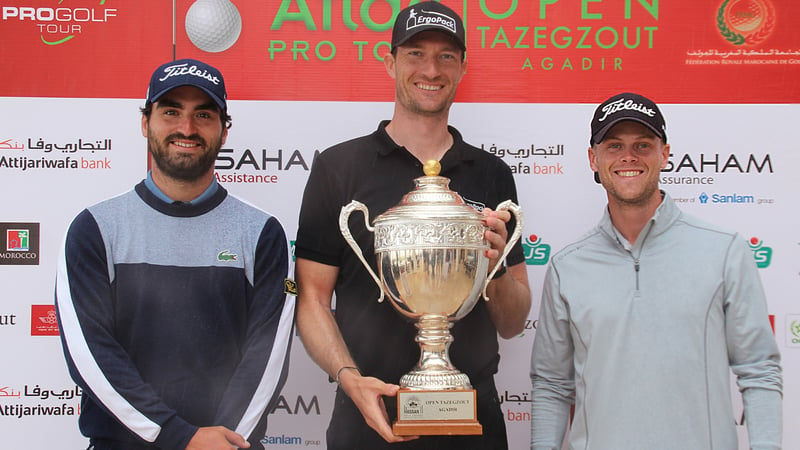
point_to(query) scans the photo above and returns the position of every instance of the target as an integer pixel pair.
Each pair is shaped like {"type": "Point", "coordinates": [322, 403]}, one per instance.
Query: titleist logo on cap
{"type": "Point", "coordinates": [430, 18]}
{"type": "Point", "coordinates": [185, 69]}
{"type": "Point", "coordinates": [623, 104]}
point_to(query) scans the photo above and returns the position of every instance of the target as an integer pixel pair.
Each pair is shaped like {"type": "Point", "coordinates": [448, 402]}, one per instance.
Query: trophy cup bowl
{"type": "Point", "coordinates": [430, 254]}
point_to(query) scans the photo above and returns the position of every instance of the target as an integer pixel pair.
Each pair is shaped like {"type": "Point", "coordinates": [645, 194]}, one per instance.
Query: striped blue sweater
{"type": "Point", "coordinates": [174, 317]}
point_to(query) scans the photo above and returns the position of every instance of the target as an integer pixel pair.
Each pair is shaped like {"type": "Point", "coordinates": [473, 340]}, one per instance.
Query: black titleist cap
{"type": "Point", "coordinates": [626, 106]}
{"type": "Point", "coordinates": [427, 16]}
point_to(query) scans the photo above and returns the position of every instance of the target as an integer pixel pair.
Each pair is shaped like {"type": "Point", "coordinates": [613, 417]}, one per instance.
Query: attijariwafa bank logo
{"type": "Point", "coordinates": [746, 22]}
{"type": "Point", "coordinates": [60, 23]}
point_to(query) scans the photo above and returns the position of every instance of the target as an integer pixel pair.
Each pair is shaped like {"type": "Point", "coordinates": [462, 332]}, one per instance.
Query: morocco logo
{"type": "Point", "coordinates": [746, 22]}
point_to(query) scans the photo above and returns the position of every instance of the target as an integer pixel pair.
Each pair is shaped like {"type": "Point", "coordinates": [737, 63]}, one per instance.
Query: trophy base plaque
{"type": "Point", "coordinates": [450, 412]}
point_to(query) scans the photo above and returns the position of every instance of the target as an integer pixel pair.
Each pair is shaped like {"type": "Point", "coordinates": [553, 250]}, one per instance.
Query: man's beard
{"type": "Point", "coordinates": [183, 167]}
{"type": "Point", "coordinates": [417, 107]}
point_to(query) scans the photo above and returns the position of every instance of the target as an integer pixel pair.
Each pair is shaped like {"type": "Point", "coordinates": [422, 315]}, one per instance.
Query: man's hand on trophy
{"type": "Point", "coordinates": [497, 234]}
{"type": "Point", "coordinates": [367, 394]}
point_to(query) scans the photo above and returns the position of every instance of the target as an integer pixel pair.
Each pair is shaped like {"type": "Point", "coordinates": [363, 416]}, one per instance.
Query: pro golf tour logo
{"type": "Point", "coordinates": [746, 22]}
{"type": "Point", "coordinates": [211, 25]}
{"type": "Point", "coordinates": [20, 246]}
{"type": "Point", "coordinates": [62, 23]}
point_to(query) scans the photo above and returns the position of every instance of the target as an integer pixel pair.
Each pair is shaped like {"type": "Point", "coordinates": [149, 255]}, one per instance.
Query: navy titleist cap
{"type": "Point", "coordinates": [188, 72]}
{"type": "Point", "coordinates": [627, 106]}
{"type": "Point", "coordinates": [427, 16]}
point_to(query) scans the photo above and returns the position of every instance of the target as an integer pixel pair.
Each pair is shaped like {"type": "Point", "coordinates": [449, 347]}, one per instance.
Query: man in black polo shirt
{"type": "Point", "coordinates": [368, 346]}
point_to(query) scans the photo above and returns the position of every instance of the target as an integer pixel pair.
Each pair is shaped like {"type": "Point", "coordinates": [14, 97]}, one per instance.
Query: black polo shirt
{"type": "Point", "coordinates": [377, 172]}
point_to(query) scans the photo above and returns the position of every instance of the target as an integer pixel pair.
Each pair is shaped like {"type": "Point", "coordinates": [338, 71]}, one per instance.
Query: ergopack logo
{"type": "Point", "coordinates": [746, 22]}
{"type": "Point", "coordinates": [536, 252]}
{"type": "Point", "coordinates": [430, 18]}
{"type": "Point", "coordinates": [60, 24]}
{"type": "Point", "coordinates": [762, 254]}
{"type": "Point", "coordinates": [20, 246]}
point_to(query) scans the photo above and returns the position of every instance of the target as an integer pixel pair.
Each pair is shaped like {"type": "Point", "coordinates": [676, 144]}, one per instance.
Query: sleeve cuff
{"type": "Point", "coordinates": [175, 433]}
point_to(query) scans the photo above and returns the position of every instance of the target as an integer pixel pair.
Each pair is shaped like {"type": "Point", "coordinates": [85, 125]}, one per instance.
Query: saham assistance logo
{"type": "Point", "coordinates": [746, 22]}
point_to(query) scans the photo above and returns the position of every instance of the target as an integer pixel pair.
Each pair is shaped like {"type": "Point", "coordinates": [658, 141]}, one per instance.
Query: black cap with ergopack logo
{"type": "Point", "coordinates": [427, 16]}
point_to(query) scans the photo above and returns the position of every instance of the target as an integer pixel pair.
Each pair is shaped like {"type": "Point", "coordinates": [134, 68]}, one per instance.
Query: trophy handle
{"type": "Point", "coordinates": [344, 215]}
{"type": "Point", "coordinates": [514, 209]}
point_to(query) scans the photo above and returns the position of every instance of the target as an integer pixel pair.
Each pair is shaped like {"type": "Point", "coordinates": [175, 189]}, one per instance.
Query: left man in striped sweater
{"type": "Point", "coordinates": [170, 297]}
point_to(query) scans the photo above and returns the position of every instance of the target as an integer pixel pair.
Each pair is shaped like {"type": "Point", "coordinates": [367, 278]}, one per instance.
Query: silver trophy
{"type": "Point", "coordinates": [430, 253]}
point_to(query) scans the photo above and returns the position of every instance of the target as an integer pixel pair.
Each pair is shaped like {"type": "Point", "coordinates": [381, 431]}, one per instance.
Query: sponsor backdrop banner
{"type": "Point", "coordinates": [303, 75]}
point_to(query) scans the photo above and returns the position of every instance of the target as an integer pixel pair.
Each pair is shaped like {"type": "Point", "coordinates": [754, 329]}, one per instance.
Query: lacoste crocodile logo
{"type": "Point", "coordinates": [226, 255]}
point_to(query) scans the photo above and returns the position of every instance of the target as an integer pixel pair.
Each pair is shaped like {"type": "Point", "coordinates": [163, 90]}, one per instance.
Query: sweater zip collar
{"type": "Point", "coordinates": [662, 219]}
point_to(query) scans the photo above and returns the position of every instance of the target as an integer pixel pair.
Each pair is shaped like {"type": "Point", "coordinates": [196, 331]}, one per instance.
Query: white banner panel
{"type": "Point", "coordinates": [733, 165]}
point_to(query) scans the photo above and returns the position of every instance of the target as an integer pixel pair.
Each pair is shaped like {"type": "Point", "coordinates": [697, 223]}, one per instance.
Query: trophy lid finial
{"type": "Point", "coordinates": [431, 167]}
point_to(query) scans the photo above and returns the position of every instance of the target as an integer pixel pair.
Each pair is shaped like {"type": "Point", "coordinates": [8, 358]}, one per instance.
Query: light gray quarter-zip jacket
{"type": "Point", "coordinates": [642, 338]}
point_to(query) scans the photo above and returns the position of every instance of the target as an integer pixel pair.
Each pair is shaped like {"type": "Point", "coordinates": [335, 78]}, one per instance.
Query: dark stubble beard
{"type": "Point", "coordinates": [407, 99]}
{"type": "Point", "coordinates": [183, 167]}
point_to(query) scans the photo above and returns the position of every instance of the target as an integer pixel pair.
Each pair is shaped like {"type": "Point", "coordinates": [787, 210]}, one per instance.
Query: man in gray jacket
{"type": "Point", "coordinates": [642, 317]}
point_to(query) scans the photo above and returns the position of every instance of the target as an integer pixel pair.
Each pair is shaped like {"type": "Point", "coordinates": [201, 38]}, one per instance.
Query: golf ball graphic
{"type": "Point", "coordinates": [213, 25]}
